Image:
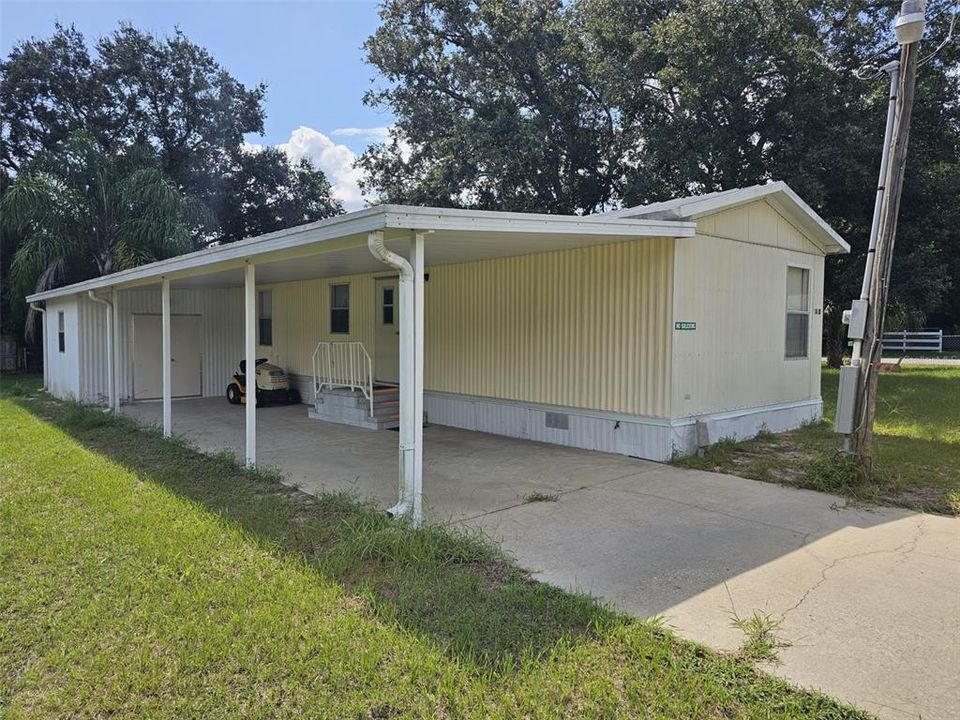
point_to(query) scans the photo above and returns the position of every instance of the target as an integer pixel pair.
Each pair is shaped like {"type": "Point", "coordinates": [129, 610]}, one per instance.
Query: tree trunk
{"type": "Point", "coordinates": [835, 336]}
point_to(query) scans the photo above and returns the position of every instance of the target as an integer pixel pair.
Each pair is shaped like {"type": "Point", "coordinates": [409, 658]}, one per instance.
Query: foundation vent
{"type": "Point", "coordinates": [557, 421]}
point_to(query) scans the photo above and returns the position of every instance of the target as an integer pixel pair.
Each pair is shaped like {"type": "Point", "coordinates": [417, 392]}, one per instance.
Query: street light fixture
{"type": "Point", "coordinates": [909, 26]}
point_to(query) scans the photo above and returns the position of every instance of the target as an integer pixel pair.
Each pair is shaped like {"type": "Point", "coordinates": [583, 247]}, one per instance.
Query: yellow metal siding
{"type": "Point", "coordinates": [221, 310]}
{"type": "Point", "coordinates": [759, 224]}
{"type": "Point", "coordinates": [301, 318]}
{"type": "Point", "coordinates": [735, 291]}
{"type": "Point", "coordinates": [586, 328]}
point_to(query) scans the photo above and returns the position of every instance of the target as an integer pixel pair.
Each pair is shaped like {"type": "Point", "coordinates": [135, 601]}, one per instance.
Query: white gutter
{"type": "Point", "coordinates": [347, 231]}
{"type": "Point", "coordinates": [43, 340]}
{"type": "Point", "coordinates": [111, 373]}
{"type": "Point", "coordinates": [409, 485]}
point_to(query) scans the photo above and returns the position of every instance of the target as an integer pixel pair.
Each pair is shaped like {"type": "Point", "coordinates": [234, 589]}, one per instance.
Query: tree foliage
{"type": "Point", "coordinates": [79, 212]}
{"type": "Point", "coordinates": [499, 106]}
{"type": "Point", "coordinates": [168, 93]}
{"type": "Point", "coordinates": [134, 98]}
{"type": "Point", "coordinates": [261, 193]}
{"type": "Point", "coordinates": [585, 105]}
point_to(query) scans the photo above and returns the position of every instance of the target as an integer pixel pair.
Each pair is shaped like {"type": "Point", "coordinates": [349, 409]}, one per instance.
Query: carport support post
{"type": "Point", "coordinates": [166, 350]}
{"type": "Point", "coordinates": [250, 355]}
{"type": "Point", "coordinates": [411, 381]}
{"type": "Point", "coordinates": [114, 352]}
{"type": "Point", "coordinates": [417, 261]}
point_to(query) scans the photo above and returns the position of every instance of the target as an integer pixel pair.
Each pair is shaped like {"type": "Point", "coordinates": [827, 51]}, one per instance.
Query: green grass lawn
{"type": "Point", "coordinates": [141, 579]}
{"type": "Point", "coordinates": [916, 451]}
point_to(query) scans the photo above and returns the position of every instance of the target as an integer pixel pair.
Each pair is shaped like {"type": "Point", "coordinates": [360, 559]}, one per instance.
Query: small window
{"type": "Point", "coordinates": [798, 312]}
{"type": "Point", "coordinates": [265, 316]}
{"type": "Point", "coordinates": [340, 309]}
{"type": "Point", "coordinates": [61, 334]}
{"type": "Point", "coordinates": [388, 306]}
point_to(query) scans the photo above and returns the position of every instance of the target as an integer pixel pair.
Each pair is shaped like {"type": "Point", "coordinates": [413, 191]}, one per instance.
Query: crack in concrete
{"type": "Point", "coordinates": [559, 493]}
{"type": "Point", "coordinates": [904, 549]}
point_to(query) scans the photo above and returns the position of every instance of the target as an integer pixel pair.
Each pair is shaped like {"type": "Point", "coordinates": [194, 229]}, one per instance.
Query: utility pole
{"type": "Point", "coordinates": [856, 402]}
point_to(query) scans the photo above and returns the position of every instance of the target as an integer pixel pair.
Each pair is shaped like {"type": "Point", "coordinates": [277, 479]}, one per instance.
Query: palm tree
{"type": "Point", "coordinates": [81, 212]}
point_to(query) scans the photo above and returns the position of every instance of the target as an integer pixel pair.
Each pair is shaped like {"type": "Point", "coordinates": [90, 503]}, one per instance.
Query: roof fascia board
{"type": "Point", "coordinates": [698, 208]}
{"type": "Point", "coordinates": [786, 202]}
{"type": "Point", "coordinates": [223, 257]}
{"type": "Point", "coordinates": [778, 194]}
{"type": "Point", "coordinates": [324, 235]}
{"type": "Point", "coordinates": [421, 218]}
{"type": "Point", "coordinates": [809, 221]}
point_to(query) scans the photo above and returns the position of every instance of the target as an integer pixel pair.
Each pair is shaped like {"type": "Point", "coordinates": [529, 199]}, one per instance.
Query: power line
{"type": "Point", "coordinates": [869, 71]}
{"type": "Point", "coordinates": [947, 39]}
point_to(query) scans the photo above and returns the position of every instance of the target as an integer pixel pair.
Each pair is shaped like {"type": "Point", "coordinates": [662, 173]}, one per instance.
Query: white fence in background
{"type": "Point", "coordinates": [343, 365]}
{"type": "Point", "coordinates": [931, 340]}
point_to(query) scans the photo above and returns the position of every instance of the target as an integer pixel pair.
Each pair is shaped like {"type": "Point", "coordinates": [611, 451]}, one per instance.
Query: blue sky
{"type": "Point", "coordinates": [308, 53]}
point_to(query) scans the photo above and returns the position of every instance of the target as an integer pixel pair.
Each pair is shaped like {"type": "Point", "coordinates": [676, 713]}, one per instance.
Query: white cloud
{"type": "Point", "coordinates": [336, 161]}
{"type": "Point", "coordinates": [371, 134]}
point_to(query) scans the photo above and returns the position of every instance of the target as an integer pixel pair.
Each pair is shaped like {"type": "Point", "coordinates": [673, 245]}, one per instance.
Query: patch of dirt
{"type": "Point", "coordinates": [923, 499]}
{"type": "Point", "coordinates": [787, 474]}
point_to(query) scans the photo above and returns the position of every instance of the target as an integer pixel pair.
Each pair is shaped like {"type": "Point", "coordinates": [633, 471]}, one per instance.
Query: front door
{"type": "Point", "coordinates": [185, 365]}
{"type": "Point", "coordinates": [386, 353]}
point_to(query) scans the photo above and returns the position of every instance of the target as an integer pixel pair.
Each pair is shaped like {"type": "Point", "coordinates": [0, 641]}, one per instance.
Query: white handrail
{"type": "Point", "coordinates": [343, 365]}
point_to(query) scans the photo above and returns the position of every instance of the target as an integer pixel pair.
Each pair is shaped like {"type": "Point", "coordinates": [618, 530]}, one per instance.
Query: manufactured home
{"type": "Point", "coordinates": [646, 331]}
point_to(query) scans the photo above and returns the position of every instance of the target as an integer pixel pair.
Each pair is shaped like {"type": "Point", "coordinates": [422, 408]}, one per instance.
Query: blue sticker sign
{"type": "Point", "coordinates": [685, 325]}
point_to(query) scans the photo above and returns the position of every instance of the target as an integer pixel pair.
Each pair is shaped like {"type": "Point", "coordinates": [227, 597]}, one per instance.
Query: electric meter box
{"type": "Point", "coordinates": [856, 318]}
{"type": "Point", "coordinates": [846, 400]}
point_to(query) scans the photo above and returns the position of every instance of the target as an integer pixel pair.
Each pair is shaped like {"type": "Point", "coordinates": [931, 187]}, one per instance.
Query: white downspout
{"type": "Point", "coordinates": [407, 481]}
{"type": "Point", "coordinates": [43, 337]}
{"type": "Point", "coordinates": [111, 377]}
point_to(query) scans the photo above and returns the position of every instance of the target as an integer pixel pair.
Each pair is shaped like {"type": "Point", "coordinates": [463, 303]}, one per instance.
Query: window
{"type": "Point", "coordinates": [388, 306]}
{"type": "Point", "coordinates": [61, 335]}
{"type": "Point", "coordinates": [265, 316]}
{"type": "Point", "coordinates": [340, 309]}
{"type": "Point", "coordinates": [798, 312]}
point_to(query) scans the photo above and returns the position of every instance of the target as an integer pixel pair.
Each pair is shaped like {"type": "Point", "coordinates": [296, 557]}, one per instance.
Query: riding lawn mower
{"type": "Point", "coordinates": [273, 385]}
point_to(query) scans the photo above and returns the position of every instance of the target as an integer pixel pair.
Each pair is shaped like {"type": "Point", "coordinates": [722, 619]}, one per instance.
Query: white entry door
{"type": "Point", "coordinates": [386, 353]}
{"type": "Point", "coordinates": [185, 365]}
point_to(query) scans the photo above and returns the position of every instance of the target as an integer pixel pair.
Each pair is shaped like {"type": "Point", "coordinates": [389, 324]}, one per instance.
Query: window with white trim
{"type": "Point", "coordinates": [340, 309]}
{"type": "Point", "coordinates": [798, 312]}
{"type": "Point", "coordinates": [61, 333]}
{"type": "Point", "coordinates": [265, 316]}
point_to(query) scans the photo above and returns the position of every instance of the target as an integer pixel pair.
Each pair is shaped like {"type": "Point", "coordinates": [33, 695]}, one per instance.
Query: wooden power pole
{"type": "Point", "coordinates": [866, 399]}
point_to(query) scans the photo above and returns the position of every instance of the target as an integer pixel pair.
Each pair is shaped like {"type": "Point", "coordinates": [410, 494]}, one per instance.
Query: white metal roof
{"type": "Point", "coordinates": [337, 245]}
{"type": "Point", "coordinates": [778, 194]}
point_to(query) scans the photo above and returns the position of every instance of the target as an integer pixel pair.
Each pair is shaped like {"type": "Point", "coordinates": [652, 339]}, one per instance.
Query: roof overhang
{"type": "Point", "coordinates": [337, 246]}
{"type": "Point", "coordinates": [777, 194]}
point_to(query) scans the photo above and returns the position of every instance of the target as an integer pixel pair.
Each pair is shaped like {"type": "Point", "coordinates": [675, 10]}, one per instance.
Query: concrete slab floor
{"type": "Point", "coordinates": [869, 598]}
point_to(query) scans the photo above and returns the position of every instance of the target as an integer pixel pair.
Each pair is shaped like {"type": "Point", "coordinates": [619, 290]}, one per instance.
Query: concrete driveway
{"type": "Point", "coordinates": [869, 598]}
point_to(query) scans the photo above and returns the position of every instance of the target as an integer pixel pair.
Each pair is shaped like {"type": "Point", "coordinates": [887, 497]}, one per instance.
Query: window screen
{"type": "Point", "coordinates": [798, 312]}
{"type": "Point", "coordinates": [265, 317]}
{"type": "Point", "coordinates": [340, 309]}
{"type": "Point", "coordinates": [388, 306]}
{"type": "Point", "coordinates": [61, 335]}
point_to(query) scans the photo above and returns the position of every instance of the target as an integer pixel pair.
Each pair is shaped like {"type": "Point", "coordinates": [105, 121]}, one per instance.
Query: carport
{"type": "Point", "coordinates": [395, 240]}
